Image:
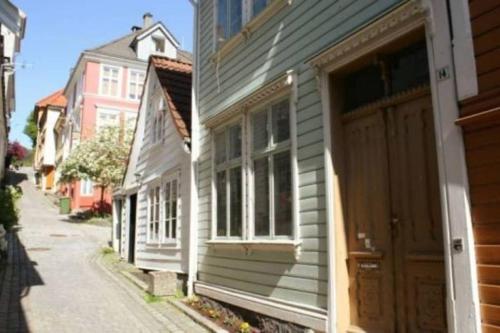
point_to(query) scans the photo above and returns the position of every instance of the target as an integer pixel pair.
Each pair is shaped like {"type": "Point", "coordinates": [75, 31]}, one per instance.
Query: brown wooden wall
{"type": "Point", "coordinates": [481, 125]}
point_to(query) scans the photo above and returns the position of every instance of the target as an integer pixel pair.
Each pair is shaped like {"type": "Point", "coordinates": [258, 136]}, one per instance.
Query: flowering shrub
{"type": "Point", "coordinates": [245, 327]}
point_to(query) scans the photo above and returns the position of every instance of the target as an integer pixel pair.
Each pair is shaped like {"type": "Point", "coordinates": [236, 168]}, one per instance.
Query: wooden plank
{"type": "Point", "coordinates": [490, 314]}
{"type": "Point", "coordinates": [489, 294]}
{"type": "Point", "coordinates": [489, 80]}
{"type": "Point", "coordinates": [488, 328]}
{"type": "Point", "coordinates": [484, 175]}
{"type": "Point", "coordinates": [487, 234]}
{"type": "Point", "coordinates": [481, 7]}
{"type": "Point", "coordinates": [486, 42]}
{"type": "Point", "coordinates": [486, 22]}
{"type": "Point", "coordinates": [486, 214]}
{"type": "Point", "coordinates": [483, 156]}
{"type": "Point", "coordinates": [483, 137]}
{"type": "Point", "coordinates": [488, 254]}
{"type": "Point", "coordinates": [488, 62]}
{"type": "Point", "coordinates": [488, 274]}
{"type": "Point", "coordinates": [485, 194]}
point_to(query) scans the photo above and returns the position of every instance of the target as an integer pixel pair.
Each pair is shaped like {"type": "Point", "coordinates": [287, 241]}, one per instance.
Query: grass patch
{"type": "Point", "coordinates": [92, 218]}
{"type": "Point", "coordinates": [150, 298]}
{"type": "Point", "coordinates": [107, 250]}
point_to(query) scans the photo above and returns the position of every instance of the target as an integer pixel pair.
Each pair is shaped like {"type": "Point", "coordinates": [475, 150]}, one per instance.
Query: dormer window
{"type": "Point", "coordinates": [159, 44]}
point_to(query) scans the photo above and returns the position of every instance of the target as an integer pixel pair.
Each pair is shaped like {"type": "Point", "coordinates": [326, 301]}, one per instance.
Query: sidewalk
{"type": "Point", "coordinates": [173, 318]}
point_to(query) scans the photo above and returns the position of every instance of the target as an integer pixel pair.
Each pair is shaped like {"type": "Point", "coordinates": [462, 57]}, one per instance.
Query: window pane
{"type": "Point", "coordinates": [174, 227]}
{"type": "Point", "coordinates": [221, 20]}
{"type": "Point", "coordinates": [258, 6]}
{"type": "Point", "coordinates": [260, 135]}
{"type": "Point", "coordinates": [220, 148]}
{"type": "Point", "coordinates": [235, 17]}
{"type": "Point", "coordinates": [261, 209]}
{"type": "Point", "coordinates": [167, 201]}
{"type": "Point", "coordinates": [105, 86]}
{"type": "Point", "coordinates": [114, 88]}
{"type": "Point", "coordinates": [282, 194]}
{"type": "Point", "coordinates": [221, 204]}
{"type": "Point", "coordinates": [281, 121]}
{"type": "Point", "coordinates": [235, 142]}
{"type": "Point", "coordinates": [235, 201]}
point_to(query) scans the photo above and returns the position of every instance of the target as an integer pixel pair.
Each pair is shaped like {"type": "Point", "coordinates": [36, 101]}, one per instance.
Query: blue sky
{"type": "Point", "coordinates": [58, 30]}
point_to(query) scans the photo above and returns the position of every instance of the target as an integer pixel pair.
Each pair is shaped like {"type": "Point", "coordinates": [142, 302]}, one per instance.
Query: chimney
{"type": "Point", "coordinates": [135, 28]}
{"type": "Point", "coordinates": [148, 20]}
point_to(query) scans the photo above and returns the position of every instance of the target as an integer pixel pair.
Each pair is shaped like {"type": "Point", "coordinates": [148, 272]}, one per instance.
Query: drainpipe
{"type": "Point", "coordinates": [193, 218]}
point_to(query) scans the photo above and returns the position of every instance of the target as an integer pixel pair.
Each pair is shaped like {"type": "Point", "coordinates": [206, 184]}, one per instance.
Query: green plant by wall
{"type": "Point", "coordinates": [9, 214]}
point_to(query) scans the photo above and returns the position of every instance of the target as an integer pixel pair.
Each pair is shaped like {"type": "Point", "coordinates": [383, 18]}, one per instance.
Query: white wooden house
{"type": "Point", "coordinates": [152, 208]}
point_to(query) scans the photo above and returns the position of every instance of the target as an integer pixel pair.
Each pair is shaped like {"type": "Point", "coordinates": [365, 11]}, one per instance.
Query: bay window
{"type": "Point", "coordinates": [253, 173]}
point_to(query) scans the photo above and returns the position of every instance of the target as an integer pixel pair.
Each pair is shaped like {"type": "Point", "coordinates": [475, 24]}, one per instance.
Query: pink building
{"type": "Point", "coordinates": [105, 89]}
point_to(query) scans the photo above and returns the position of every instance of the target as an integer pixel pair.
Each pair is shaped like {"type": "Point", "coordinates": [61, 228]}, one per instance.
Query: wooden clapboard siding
{"type": "Point", "coordinates": [286, 41]}
{"type": "Point", "coordinates": [482, 144]}
{"type": "Point", "coordinates": [153, 161]}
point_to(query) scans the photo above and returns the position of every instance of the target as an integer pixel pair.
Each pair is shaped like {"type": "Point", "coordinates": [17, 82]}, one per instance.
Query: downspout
{"type": "Point", "coordinates": [193, 212]}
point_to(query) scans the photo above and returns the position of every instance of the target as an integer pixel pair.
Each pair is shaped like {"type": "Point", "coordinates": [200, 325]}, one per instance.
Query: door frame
{"type": "Point", "coordinates": [129, 229]}
{"type": "Point", "coordinates": [463, 313]}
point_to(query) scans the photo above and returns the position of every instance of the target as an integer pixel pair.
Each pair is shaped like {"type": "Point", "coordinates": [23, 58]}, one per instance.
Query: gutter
{"type": "Point", "coordinates": [193, 214]}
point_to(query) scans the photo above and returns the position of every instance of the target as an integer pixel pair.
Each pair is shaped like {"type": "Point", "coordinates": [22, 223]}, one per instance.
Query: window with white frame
{"type": "Point", "coordinates": [135, 84]}
{"type": "Point", "coordinates": [86, 187]}
{"type": "Point", "coordinates": [154, 214]}
{"type": "Point", "coordinates": [110, 80]}
{"type": "Point", "coordinates": [130, 119]}
{"type": "Point", "coordinates": [228, 182]}
{"type": "Point", "coordinates": [107, 118]}
{"type": "Point", "coordinates": [170, 211]}
{"type": "Point", "coordinates": [272, 171]}
{"type": "Point", "coordinates": [233, 14]}
{"type": "Point", "coordinates": [263, 156]}
{"type": "Point", "coordinates": [159, 44]}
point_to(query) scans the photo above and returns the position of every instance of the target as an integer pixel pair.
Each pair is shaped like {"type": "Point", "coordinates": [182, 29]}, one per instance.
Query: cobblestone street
{"type": "Point", "coordinates": [52, 282]}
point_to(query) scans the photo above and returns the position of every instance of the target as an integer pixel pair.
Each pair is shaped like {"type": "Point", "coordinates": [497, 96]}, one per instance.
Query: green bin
{"type": "Point", "coordinates": [64, 205]}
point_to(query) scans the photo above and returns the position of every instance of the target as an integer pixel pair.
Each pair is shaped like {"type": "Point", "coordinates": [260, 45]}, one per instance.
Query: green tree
{"type": "Point", "coordinates": [30, 129]}
{"type": "Point", "coordinates": [102, 159]}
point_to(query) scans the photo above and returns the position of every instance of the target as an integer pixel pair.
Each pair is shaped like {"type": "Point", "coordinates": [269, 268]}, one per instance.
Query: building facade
{"type": "Point", "coordinates": [152, 208]}
{"type": "Point", "coordinates": [12, 28]}
{"type": "Point", "coordinates": [47, 112]}
{"type": "Point", "coordinates": [330, 184]}
{"type": "Point", "coordinates": [104, 89]}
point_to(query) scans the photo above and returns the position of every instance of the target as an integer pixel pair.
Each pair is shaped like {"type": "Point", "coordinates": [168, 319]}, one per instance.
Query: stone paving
{"type": "Point", "coordinates": [53, 281]}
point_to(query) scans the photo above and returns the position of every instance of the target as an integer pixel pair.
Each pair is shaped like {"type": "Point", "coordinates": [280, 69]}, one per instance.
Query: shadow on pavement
{"type": "Point", "coordinates": [17, 275]}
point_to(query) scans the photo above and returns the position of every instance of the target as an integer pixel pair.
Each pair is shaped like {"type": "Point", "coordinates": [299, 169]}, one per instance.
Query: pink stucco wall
{"type": "Point", "coordinates": [92, 99]}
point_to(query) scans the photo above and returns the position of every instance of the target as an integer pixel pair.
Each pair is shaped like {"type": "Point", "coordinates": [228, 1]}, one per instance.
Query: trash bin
{"type": "Point", "coordinates": [64, 205]}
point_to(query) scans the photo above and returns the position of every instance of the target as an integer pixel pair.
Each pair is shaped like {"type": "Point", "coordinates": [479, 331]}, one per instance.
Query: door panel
{"type": "Point", "coordinates": [416, 217]}
{"type": "Point", "coordinates": [369, 237]}
{"type": "Point", "coordinates": [395, 241]}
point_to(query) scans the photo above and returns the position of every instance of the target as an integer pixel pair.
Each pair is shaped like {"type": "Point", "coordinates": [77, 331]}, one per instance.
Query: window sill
{"type": "Point", "coordinates": [248, 246]}
{"type": "Point", "coordinates": [248, 29]}
{"type": "Point", "coordinates": [169, 244]}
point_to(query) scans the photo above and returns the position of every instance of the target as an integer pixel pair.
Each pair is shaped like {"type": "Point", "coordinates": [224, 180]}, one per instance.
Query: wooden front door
{"type": "Point", "coordinates": [395, 245]}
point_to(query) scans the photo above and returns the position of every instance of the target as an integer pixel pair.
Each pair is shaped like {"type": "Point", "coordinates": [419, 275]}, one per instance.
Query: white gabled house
{"type": "Point", "coordinates": [152, 209]}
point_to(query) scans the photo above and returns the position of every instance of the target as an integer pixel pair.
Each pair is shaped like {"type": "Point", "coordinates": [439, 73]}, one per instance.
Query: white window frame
{"type": "Point", "coordinates": [119, 83]}
{"type": "Point", "coordinates": [100, 111]}
{"type": "Point", "coordinates": [158, 122]}
{"type": "Point", "coordinates": [226, 167]}
{"type": "Point", "coordinates": [151, 201]}
{"type": "Point", "coordinates": [170, 179]}
{"type": "Point", "coordinates": [127, 116]}
{"type": "Point", "coordinates": [247, 15]}
{"type": "Point", "coordinates": [272, 149]}
{"type": "Point", "coordinates": [85, 191]}
{"type": "Point", "coordinates": [137, 83]}
{"type": "Point", "coordinates": [247, 177]}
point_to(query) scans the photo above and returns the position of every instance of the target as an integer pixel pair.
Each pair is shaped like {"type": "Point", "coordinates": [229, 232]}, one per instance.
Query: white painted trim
{"type": "Point", "coordinates": [312, 317]}
{"type": "Point", "coordinates": [120, 80]}
{"type": "Point", "coordinates": [463, 50]}
{"type": "Point", "coordinates": [463, 297]}
{"type": "Point", "coordinates": [463, 306]}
